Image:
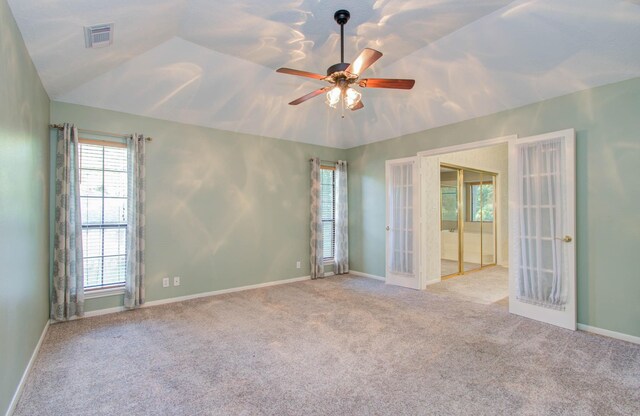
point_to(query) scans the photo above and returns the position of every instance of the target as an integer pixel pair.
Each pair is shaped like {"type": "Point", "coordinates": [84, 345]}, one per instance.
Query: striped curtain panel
{"type": "Point", "coordinates": [134, 280]}
{"type": "Point", "coordinates": [341, 255]}
{"type": "Point", "coordinates": [316, 258]}
{"type": "Point", "coordinates": [67, 294]}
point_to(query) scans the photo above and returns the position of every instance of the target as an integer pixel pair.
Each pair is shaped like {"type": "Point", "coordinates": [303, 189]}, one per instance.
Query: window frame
{"type": "Point", "coordinates": [113, 288]}
{"type": "Point", "coordinates": [329, 260]}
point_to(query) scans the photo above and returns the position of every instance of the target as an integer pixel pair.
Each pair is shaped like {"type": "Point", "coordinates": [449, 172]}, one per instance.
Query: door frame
{"type": "Point", "coordinates": [430, 275]}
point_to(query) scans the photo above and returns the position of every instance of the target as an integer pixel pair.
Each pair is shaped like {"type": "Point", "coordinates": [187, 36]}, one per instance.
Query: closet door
{"type": "Point", "coordinates": [542, 269]}
{"type": "Point", "coordinates": [402, 198]}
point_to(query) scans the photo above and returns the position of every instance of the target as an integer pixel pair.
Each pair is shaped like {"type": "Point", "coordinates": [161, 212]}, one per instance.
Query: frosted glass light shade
{"type": "Point", "coordinates": [333, 97]}
{"type": "Point", "coordinates": [352, 97]}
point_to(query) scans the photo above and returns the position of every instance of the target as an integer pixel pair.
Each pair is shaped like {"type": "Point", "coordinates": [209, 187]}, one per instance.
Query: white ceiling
{"type": "Point", "coordinates": [212, 63]}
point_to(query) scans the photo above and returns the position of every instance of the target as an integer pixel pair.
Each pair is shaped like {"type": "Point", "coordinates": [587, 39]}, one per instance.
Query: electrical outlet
{"type": "Point", "coordinates": [176, 281]}
{"type": "Point", "coordinates": [165, 282]}
{"type": "Point", "coordinates": [298, 264]}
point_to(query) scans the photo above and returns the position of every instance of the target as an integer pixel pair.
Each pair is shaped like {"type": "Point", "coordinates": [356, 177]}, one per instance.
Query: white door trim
{"type": "Point", "coordinates": [429, 220]}
{"type": "Point", "coordinates": [468, 146]}
{"type": "Point", "coordinates": [400, 160]}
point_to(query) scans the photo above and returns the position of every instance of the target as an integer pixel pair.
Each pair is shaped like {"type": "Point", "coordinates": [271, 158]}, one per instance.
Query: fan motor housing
{"type": "Point", "coordinates": [337, 68]}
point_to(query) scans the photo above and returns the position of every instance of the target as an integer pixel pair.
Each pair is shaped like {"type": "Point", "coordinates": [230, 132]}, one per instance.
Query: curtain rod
{"type": "Point", "coordinates": [325, 161]}
{"type": "Point", "coordinates": [102, 133]}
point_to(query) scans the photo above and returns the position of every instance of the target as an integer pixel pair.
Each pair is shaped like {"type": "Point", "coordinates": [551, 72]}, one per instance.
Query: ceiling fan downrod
{"type": "Point", "coordinates": [342, 17]}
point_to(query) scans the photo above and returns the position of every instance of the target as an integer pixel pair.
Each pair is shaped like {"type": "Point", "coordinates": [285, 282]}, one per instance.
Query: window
{"type": "Point", "coordinates": [327, 195]}
{"type": "Point", "coordinates": [449, 205]}
{"type": "Point", "coordinates": [103, 209]}
{"type": "Point", "coordinates": [480, 202]}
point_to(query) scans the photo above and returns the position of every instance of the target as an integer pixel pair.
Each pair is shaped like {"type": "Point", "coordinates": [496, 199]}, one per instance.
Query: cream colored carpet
{"type": "Point", "coordinates": [484, 286]}
{"type": "Point", "coordinates": [448, 267]}
{"type": "Point", "coordinates": [338, 346]}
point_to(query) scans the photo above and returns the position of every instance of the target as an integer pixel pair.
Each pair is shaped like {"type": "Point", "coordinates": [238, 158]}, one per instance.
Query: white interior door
{"type": "Point", "coordinates": [542, 268]}
{"type": "Point", "coordinates": [402, 195]}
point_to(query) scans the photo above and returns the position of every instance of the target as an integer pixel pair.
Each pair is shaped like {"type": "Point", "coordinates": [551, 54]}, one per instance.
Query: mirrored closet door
{"type": "Point", "coordinates": [467, 218]}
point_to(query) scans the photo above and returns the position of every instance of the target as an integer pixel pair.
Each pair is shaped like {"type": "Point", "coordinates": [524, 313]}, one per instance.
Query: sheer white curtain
{"type": "Point", "coordinates": [316, 258]}
{"type": "Point", "coordinates": [541, 278]}
{"type": "Point", "coordinates": [134, 281]}
{"type": "Point", "coordinates": [67, 294]}
{"type": "Point", "coordinates": [401, 219]}
{"type": "Point", "coordinates": [341, 255]}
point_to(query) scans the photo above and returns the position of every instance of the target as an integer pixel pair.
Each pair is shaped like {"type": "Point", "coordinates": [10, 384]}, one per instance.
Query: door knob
{"type": "Point", "coordinates": [566, 238]}
{"type": "Point", "coordinates": [388, 228]}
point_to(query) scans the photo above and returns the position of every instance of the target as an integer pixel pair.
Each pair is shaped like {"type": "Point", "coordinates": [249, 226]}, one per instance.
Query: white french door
{"type": "Point", "coordinates": [402, 198]}
{"type": "Point", "coordinates": [542, 268]}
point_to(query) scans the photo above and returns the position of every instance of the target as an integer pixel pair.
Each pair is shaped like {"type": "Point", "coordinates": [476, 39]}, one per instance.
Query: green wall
{"type": "Point", "coordinates": [607, 123]}
{"type": "Point", "coordinates": [24, 221]}
{"type": "Point", "coordinates": [223, 209]}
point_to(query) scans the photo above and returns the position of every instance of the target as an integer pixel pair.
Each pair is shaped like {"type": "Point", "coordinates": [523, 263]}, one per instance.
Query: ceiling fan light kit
{"type": "Point", "coordinates": [343, 75]}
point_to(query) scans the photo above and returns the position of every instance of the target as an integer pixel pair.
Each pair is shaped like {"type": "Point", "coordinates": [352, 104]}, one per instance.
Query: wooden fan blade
{"type": "Point", "coordinates": [300, 73]}
{"type": "Point", "coordinates": [366, 58]}
{"type": "Point", "coordinates": [358, 106]}
{"type": "Point", "coordinates": [310, 95]}
{"type": "Point", "coordinates": [399, 84]}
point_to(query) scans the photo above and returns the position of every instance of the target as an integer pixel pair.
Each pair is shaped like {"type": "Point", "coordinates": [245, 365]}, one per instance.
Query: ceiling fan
{"type": "Point", "coordinates": [343, 75]}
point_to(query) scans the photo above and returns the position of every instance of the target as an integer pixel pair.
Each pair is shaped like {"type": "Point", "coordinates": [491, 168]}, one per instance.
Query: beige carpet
{"type": "Point", "coordinates": [486, 286]}
{"type": "Point", "coordinates": [338, 346]}
{"type": "Point", "coordinates": [449, 267]}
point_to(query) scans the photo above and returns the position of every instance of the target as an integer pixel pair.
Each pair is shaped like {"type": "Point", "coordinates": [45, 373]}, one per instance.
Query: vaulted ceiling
{"type": "Point", "coordinates": [212, 63]}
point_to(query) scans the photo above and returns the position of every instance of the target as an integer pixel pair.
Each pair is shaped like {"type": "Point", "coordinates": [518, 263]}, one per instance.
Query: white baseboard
{"type": "Point", "coordinates": [27, 370]}
{"type": "Point", "coordinates": [199, 295]}
{"type": "Point", "coordinates": [99, 312]}
{"type": "Point", "coordinates": [224, 291]}
{"type": "Point", "coordinates": [370, 276]}
{"type": "Point", "coordinates": [608, 333]}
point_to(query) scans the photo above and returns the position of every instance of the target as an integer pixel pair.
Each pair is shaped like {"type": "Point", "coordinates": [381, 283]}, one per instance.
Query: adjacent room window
{"type": "Point", "coordinates": [103, 208]}
{"type": "Point", "coordinates": [480, 202]}
{"type": "Point", "coordinates": [328, 193]}
{"type": "Point", "coordinates": [449, 202]}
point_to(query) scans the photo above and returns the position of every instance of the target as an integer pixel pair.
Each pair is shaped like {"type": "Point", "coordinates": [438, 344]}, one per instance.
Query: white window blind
{"type": "Point", "coordinates": [103, 208]}
{"type": "Point", "coordinates": [328, 192]}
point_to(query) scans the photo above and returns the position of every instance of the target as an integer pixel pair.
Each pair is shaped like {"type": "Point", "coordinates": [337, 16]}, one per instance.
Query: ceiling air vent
{"type": "Point", "coordinates": [98, 36]}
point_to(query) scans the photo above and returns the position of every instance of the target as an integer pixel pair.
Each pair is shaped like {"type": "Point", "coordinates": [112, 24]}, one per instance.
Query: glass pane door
{"type": "Point", "coordinates": [542, 258]}
{"type": "Point", "coordinates": [402, 220]}
{"type": "Point", "coordinates": [401, 215]}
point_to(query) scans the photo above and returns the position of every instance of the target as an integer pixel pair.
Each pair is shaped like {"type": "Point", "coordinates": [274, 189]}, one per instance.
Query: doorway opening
{"type": "Point", "coordinates": [468, 220]}
{"type": "Point", "coordinates": [466, 230]}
